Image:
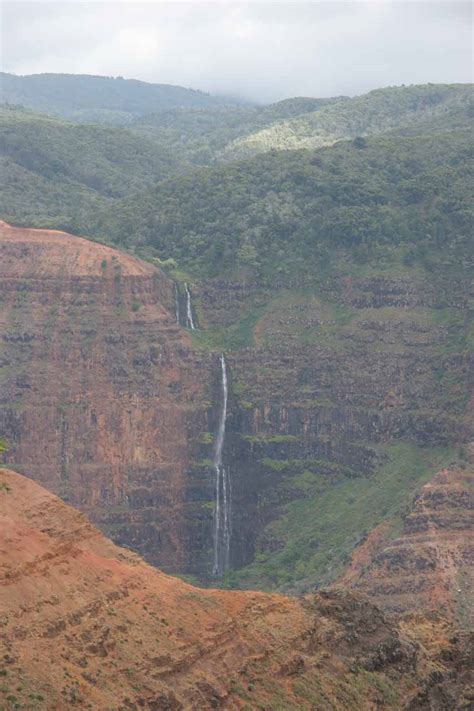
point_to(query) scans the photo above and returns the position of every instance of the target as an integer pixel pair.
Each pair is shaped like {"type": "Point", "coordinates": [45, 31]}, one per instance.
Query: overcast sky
{"type": "Point", "coordinates": [261, 50]}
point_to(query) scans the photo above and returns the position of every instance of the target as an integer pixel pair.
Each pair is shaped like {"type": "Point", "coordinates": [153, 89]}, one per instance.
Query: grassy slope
{"type": "Point", "coordinates": [318, 532]}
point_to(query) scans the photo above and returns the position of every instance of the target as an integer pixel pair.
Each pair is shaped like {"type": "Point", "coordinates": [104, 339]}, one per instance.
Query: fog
{"type": "Point", "coordinates": [263, 51]}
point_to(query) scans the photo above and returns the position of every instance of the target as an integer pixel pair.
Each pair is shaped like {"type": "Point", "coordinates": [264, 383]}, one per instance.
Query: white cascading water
{"type": "Point", "coordinates": [222, 512]}
{"type": "Point", "coordinates": [189, 311]}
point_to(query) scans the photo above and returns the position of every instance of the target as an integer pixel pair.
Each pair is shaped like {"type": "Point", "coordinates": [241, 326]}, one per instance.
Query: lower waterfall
{"type": "Point", "coordinates": [223, 488]}
{"type": "Point", "coordinates": [189, 309]}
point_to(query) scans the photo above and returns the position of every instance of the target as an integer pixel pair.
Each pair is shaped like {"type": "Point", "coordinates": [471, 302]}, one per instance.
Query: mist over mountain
{"type": "Point", "coordinates": [98, 98]}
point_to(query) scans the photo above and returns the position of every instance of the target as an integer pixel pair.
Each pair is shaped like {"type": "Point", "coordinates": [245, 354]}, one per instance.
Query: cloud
{"type": "Point", "coordinates": [261, 50]}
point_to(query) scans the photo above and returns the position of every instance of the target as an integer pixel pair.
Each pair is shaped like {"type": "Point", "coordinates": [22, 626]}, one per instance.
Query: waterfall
{"type": "Point", "coordinates": [176, 302]}
{"type": "Point", "coordinates": [189, 311]}
{"type": "Point", "coordinates": [222, 511]}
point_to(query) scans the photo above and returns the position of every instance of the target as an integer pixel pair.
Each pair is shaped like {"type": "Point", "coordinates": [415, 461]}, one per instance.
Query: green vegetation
{"type": "Point", "coordinates": [404, 199]}
{"type": "Point", "coordinates": [206, 438]}
{"type": "Point", "coordinates": [375, 186]}
{"type": "Point", "coordinates": [57, 173]}
{"type": "Point", "coordinates": [270, 439]}
{"type": "Point", "coordinates": [396, 198]}
{"type": "Point", "coordinates": [201, 136]}
{"type": "Point", "coordinates": [317, 533]}
{"type": "Point", "coordinates": [406, 108]}
{"type": "Point", "coordinates": [239, 334]}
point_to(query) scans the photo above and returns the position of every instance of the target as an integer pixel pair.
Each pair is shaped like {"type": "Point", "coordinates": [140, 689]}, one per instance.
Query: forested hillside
{"type": "Point", "coordinates": [288, 213]}
{"type": "Point", "coordinates": [201, 135]}
{"type": "Point", "coordinates": [53, 171]}
{"type": "Point", "coordinates": [373, 113]}
{"type": "Point", "coordinates": [58, 174]}
{"type": "Point", "coordinates": [207, 135]}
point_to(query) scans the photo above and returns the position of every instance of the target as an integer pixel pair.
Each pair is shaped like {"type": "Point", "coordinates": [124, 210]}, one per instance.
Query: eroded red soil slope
{"type": "Point", "coordinates": [85, 624]}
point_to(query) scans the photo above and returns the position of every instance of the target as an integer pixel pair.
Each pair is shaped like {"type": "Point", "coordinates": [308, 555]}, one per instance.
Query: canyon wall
{"type": "Point", "coordinates": [430, 565]}
{"type": "Point", "coordinates": [353, 377]}
{"type": "Point", "coordinates": [345, 396]}
{"type": "Point", "coordinates": [102, 395]}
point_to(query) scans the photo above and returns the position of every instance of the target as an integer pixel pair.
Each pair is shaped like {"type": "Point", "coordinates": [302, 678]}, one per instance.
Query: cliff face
{"type": "Point", "coordinates": [101, 393]}
{"type": "Point", "coordinates": [86, 624]}
{"type": "Point", "coordinates": [430, 565]}
{"type": "Point", "coordinates": [349, 393]}
{"type": "Point", "coordinates": [345, 396]}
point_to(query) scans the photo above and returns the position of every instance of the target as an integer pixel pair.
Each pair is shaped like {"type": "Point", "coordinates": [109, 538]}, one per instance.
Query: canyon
{"type": "Point", "coordinates": [345, 396]}
{"type": "Point", "coordinates": [236, 348]}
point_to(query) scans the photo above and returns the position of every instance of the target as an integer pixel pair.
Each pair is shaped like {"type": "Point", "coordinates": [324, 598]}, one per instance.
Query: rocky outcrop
{"type": "Point", "coordinates": [430, 565]}
{"type": "Point", "coordinates": [85, 624]}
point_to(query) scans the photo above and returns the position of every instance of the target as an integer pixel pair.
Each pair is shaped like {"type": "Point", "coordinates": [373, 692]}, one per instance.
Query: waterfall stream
{"type": "Point", "coordinates": [222, 511]}
{"type": "Point", "coordinates": [189, 310]}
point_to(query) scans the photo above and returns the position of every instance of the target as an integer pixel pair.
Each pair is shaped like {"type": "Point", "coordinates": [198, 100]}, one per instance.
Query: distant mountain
{"type": "Point", "coordinates": [58, 174]}
{"type": "Point", "coordinates": [208, 135]}
{"type": "Point", "coordinates": [83, 97]}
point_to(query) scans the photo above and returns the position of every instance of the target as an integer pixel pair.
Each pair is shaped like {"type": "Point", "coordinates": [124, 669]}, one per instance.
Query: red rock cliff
{"type": "Point", "coordinates": [100, 389]}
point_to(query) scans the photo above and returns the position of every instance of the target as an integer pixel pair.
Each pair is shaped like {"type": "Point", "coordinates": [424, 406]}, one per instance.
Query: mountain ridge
{"type": "Point", "coordinates": [373, 113]}
{"type": "Point", "coordinates": [86, 97]}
